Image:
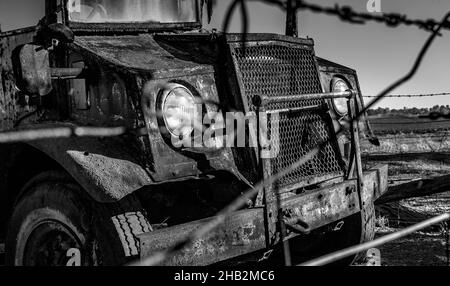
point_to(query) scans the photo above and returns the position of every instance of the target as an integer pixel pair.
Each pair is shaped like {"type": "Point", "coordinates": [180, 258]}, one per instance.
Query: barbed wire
{"type": "Point", "coordinates": [410, 95]}
{"type": "Point", "coordinates": [348, 14]}
{"type": "Point", "coordinates": [344, 13]}
{"type": "Point", "coordinates": [338, 255]}
{"type": "Point", "coordinates": [411, 123]}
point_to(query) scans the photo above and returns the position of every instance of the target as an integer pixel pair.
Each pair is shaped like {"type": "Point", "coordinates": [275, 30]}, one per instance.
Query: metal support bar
{"type": "Point", "coordinates": [299, 109]}
{"type": "Point", "coordinates": [66, 73]}
{"type": "Point", "coordinates": [265, 100]}
{"type": "Point", "coordinates": [352, 108]}
{"type": "Point", "coordinates": [333, 257]}
{"type": "Point", "coordinates": [272, 210]}
{"type": "Point", "coordinates": [291, 19]}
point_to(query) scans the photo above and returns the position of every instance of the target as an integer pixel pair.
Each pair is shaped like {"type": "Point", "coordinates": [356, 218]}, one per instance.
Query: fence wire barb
{"type": "Point", "coordinates": [410, 95]}
{"type": "Point", "coordinates": [344, 13]}
{"type": "Point", "coordinates": [347, 14]}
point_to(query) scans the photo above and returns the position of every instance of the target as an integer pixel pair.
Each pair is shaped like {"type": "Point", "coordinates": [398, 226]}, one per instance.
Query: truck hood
{"type": "Point", "coordinates": [139, 54]}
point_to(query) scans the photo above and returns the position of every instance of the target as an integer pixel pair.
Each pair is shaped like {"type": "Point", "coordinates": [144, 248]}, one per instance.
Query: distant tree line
{"type": "Point", "coordinates": [409, 111]}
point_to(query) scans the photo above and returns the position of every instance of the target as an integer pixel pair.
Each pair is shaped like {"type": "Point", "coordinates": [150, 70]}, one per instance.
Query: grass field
{"type": "Point", "coordinates": [408, 134]}
{"type": "Point", "coordinates": [407, 124]}
{"type": "Point", "coordinates": [426, 248]}
{"type": "Point", "coordinates": [415, 149]}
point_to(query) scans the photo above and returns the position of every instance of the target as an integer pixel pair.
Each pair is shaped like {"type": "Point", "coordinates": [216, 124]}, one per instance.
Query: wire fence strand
{"type": "Point", "coordinates": [410, 95]}
{"type": "Point", "coordinates": [336, 256]}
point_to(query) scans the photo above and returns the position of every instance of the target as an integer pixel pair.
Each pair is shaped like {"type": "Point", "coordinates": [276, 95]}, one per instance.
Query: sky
{"type": "Point", "coordinates": [380, 54]}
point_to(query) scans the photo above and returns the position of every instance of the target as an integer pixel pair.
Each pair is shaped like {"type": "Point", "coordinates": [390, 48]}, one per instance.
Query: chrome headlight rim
{"type": "Point", "coordinates": [163, 97]}
{"type": "Point", "coordinates": [340, 105]}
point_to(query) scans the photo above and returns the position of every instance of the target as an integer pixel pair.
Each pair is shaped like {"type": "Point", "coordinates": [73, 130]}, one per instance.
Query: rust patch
{"type": "Point", "coordinates": [242, 233]}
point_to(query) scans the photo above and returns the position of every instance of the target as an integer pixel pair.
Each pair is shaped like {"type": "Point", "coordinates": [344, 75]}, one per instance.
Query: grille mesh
{"type": "Point", "coordinates": [277, 70]}
{"type": "Point", "coordinates": [298, 133]}
{"type": "Point", "coordinates": [274, 70]}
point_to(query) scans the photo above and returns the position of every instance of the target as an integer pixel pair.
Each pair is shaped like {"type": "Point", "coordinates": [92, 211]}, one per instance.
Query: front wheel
{"type": "Point", "coordinates": [55, 215]}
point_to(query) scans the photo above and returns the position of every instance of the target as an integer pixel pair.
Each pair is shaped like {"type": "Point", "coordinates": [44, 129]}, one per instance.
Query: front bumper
{"type": "Point", "coordinates": [245, 231]}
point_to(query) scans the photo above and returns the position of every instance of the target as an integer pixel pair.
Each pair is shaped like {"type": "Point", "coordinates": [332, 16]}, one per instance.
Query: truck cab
{"type": "Point", "coordinates": [204, 116]}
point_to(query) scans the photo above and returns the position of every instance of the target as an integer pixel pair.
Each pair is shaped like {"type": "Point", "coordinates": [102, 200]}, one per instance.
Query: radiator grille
{"type": "Point", "coordinates": [273, 69]}
{"type": "Point", "coordinates": [299, 133]}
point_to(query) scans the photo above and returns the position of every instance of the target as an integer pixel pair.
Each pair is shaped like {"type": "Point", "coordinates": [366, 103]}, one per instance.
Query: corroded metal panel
{"type": "Point", "coordinates": [375, 184]}
{"type": "Point", "coordinates": [108, 168]}
{"type": "Point", "coordinates": [140, 54]}
{"type": "Point", "coordinates": [324, 206]}
{"type": "Point", "coordinates": [241, 233]}
{"type": "Point", "coordinates": [246, 231]}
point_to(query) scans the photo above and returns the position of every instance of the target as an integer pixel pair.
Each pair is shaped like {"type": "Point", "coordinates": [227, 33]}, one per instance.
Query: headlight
{"type": "Point", "coordinates": [178, 110]}
{"type": "Point", "coordinates": [340, 104]}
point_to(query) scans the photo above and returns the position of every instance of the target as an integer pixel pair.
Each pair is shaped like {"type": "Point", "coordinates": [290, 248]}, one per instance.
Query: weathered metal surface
{"type": "Point", "coordinates": [319, 208]}
{"type": "Point", "coordinates": [148, 67]}
{"type": "Point", "coordinates": [110, 96]}
{"type": "Point", "coordinates": [375, 184]}
{"type": "Point", "coordinates": [246, 231]}
{"type": "Point", "coordinates": [241, 233]}
{"type": "Point", "coordinates": [108, 168]}
{"type": "Point", "coordinates": [354, 131]}
{"type": "Point", "coordinates": [140, 54]}
{"type": "Point", "coordinates": [66, 73]}
{"type": "Point", "coordinates": [271, 193]}
{"type": "Point", "coordinates": [265, 100]}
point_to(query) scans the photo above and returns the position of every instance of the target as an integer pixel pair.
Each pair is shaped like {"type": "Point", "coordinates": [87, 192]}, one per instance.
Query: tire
{"type": "Point", "coordinates": [54, 214]}
{"type": "Point", "coordinates": [358, 228]}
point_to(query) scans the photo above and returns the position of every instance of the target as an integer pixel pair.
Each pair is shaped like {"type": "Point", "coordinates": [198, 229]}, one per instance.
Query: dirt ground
{"type": "Point", "coordinates": [429, 247]}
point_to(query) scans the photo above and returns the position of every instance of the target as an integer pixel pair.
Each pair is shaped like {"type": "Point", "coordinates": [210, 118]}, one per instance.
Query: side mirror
{"type": "Point", "coordinates": [51, 35]}
{"type": "Point", "coordinates": [59, 32]}
{"type": "Point", "coordinates": [32, 69]}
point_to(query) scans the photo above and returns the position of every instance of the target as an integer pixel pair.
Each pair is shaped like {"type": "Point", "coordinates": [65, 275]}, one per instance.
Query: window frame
{"type": "Point", "coordinates": [127, 27]}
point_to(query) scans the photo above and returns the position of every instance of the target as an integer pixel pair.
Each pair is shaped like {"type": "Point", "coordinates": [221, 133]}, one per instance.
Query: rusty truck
{"type": "Point", "coordinates": [117, 199]}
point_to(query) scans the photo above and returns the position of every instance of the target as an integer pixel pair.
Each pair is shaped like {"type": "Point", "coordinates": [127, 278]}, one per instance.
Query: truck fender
{"type": "Point", "coordinates": [104, 167]}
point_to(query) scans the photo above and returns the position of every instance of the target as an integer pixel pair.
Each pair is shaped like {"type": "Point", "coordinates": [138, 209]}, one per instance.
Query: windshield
{"type": "Point", "coordinates": [126, 11]}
